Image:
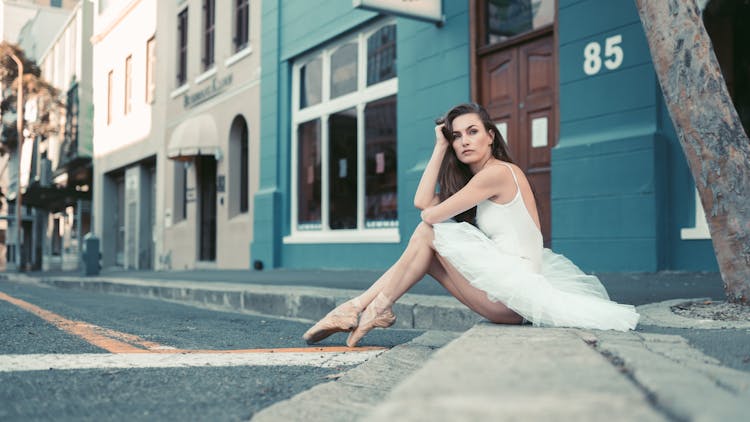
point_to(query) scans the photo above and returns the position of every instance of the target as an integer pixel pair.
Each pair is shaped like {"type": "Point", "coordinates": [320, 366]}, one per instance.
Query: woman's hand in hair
{"type": "Point", "coordinates": [440, 139]}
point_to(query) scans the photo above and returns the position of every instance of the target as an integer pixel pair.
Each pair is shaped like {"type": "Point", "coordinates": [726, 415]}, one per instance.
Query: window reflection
{"type": "Point", "coordinates": [342, 169]}
{"type": "Point", "coordinates": [381, 55]}
{"type": "Point", "coordinates": [308, 176]}
{"type": "Point", "coordinates": [344, 70]}
{"type": "Point", "coordinates": [310, 76]}
{"type": "Point", "coordinates": [508, 18]}
{"type": "Point", "coordinates": [380, 167]}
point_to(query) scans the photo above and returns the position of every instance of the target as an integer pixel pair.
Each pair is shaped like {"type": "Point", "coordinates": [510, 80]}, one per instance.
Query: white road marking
{"type": "Point", "coordinates": [39, 362]}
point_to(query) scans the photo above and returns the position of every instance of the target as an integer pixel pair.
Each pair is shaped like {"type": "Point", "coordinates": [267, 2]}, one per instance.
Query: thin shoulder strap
{"type": "Point", "coordinates": [515, 179]}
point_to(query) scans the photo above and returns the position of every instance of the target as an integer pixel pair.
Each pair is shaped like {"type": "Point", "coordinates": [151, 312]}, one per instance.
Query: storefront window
{"type": "Point", "coordinates": [381, 55]}
{"type": "Point", "coordinates": [309, 180]}
{"type": "Point", "coordinates": [506, 19]}
{"type": "Point", "coordinates": [342, 169]}
{"type": "Point", "coordinates": [310, 83]}
{"type": "Point", "coordinates": [344, 138]}
{"type": "Point", "coordinates": [344, 70]}
{"type": "Point", "coordinates": [380, 161]}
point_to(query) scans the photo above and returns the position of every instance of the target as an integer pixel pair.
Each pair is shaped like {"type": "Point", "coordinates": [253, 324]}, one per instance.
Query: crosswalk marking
{"type": "Point", "coordinates": [43, 362]}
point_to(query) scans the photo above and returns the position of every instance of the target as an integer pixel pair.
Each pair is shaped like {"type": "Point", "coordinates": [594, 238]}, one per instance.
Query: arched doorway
{"type": "Point", "coordinates": [239, 171]}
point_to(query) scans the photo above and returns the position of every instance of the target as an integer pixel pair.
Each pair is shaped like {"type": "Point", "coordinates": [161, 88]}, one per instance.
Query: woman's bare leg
{"type": "Point", "coordinates": [472, 297]}
{"type": "Point", "coordinates": [420, 258]}
{"type": "Point", "coordinates": [413, 264]}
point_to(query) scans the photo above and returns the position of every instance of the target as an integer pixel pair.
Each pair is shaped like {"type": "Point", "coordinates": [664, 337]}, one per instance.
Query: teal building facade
{"type": "Point", "coordinates": [348, 103]}
{"type": "Point", "coordinates": [430, 73]}
{"type": "Point", "coordinates": [622, 196]}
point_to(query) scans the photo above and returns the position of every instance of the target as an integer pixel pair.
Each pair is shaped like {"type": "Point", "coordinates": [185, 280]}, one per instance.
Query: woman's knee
{"type": "Point", "coordinates": [503, 316]}
{"type": "Point", "coordinates": [422, 234]}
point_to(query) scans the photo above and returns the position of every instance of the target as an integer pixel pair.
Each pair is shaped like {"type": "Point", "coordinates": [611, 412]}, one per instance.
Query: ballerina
{"type": "Point", "coordinates": [480, 238]}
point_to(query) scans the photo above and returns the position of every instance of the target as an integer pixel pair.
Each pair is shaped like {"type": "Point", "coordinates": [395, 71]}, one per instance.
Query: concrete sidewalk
{"type": "Point", "coordinates": [487, 372]}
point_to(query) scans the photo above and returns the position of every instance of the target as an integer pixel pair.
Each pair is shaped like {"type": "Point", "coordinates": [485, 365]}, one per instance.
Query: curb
{"type": "Point", "coordinates": [422, 312]}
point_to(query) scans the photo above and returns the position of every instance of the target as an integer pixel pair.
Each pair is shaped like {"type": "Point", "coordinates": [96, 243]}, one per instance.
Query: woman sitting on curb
{"type": "Point", "coordinates": [480, 238]}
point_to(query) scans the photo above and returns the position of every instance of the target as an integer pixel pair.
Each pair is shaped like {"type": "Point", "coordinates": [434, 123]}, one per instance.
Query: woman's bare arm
{"type": "Point", "coordinates": [425, 195]}
{"type": "Point", "coordinates": [485, 184]}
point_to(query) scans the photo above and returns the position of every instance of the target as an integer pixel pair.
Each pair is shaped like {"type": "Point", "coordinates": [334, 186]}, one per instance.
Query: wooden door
{"type": "Point", "coordinates": [206, 169]}
{"type": "Point", "coordinates": [517, 86]}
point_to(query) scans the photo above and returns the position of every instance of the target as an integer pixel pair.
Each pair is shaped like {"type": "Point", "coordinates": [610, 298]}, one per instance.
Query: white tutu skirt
{"type": "Point", "coordinates": [561, 295]}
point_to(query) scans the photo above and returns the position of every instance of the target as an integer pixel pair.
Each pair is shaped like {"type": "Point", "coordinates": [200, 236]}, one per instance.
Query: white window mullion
{"type": "Point", "coordinates": [361, 166]}
{"type": "Point", "coordinates": [324, 144]}
{"type": "Point", "coordinates": [295, 188]}
{"type": "Point", "coordinates": [324, 176]}
{"type": "Point", "coordinates": [361, 170]}
{"type": "Point", "coordinates": [362, 64]}
{"type": "Point", "coordinates": [295, 150]}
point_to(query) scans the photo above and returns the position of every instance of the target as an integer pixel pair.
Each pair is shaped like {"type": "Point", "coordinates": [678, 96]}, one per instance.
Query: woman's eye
{"type": "Point", "coordinates": [473, 131]}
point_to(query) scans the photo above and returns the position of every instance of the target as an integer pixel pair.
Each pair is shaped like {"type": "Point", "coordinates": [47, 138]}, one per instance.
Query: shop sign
{"type": "Point", "coordinates": [208, 92]}
{"type": "Point", "coordinates": [427, 10]}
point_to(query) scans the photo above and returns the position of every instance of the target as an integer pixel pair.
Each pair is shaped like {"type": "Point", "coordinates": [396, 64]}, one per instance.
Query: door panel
{"type": "Point", "coordinates": [537, 108]}
{"type": "Point", "coordinates": [499, 85]}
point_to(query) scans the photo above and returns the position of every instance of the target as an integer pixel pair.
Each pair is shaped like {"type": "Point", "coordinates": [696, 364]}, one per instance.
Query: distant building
{"type": "Point", "coordinates": [33, 25]}
{"type": "Point", "coordinates": [128, 132]}
{"type": "Point", "coordinates": [176, 132]}
{"type": "Point", "coordinates": [64, 188]}
{"type": "Point", "coordinates": [212, 55]}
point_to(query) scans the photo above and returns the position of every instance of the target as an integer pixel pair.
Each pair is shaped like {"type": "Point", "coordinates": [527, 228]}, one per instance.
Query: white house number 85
{"type": "Point", "coordinates": [613, 54]}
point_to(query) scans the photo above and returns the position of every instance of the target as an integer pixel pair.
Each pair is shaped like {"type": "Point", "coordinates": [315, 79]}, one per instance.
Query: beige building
{"type": "Point", "coordinates": [212, 58]}
{"type": "Point", "coordinates": [128, 132]}
{"type": "Point", "coordinates": [175, 132]}
{"type": "Point", "coordinates": [63, 194]}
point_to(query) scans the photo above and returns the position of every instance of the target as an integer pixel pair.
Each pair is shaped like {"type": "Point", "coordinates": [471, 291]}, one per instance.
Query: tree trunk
{"type": "Point", "coordinates": [709, 130]}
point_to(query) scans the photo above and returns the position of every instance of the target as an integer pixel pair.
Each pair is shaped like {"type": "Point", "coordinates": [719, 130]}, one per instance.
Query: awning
{"type": "Point", "coordinates": [195, 136]}
{"type": "Point", "coordinates": [53, 198]}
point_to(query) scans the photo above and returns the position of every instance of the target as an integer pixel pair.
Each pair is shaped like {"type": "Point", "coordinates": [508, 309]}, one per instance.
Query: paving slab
{"type": "Point", "coordinates": [679, 380]}
{"type": "Point", "coordinates": [496, 372]}
{"type": "Point", "coordinates": [356, 392]}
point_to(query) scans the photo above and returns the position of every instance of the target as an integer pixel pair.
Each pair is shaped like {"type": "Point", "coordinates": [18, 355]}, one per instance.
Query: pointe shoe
{"type": "Point", "coordinates": [342, 318]}
{"type": "Point", "coordinates": [377, 314]}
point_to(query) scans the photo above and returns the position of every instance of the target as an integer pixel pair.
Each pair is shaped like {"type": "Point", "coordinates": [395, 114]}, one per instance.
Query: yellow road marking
{"type": "Point", "coordinates": [118, 342]}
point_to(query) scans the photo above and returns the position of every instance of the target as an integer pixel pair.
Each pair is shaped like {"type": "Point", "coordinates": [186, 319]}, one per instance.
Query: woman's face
{"type": "Point", "coordinates": [472, 143]}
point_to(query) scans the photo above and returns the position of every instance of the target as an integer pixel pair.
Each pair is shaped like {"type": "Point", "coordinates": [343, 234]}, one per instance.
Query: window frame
{"type": "Point", "coordinates": [358, 100]}
{"type": "Point", "coordinates": [208, 54]}
{"type": "Point", "coordinates": [182, 46]}
{"type": "Point", "coordinates": [150, 69]}
{"type": "Point", "coordinates": [110, 83]}
{"type": "Point", "coordinates": [241, 33]}
{"type": "Point", "coordinates": [128, 97]}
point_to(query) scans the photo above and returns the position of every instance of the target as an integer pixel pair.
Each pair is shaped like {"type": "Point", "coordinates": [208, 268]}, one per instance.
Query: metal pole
{"type": "Point", "coordinates": [19, 128]}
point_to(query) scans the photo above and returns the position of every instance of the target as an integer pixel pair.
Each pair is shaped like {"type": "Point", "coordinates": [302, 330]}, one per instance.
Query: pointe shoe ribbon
{"type": "Point", "coordinates": [377, 314]}
{"type": "Point", "coordinates": [342, 318]}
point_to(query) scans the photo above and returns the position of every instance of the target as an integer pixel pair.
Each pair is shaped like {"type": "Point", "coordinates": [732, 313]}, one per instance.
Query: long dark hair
{"type": "Point", "coordinates": [454, 174]}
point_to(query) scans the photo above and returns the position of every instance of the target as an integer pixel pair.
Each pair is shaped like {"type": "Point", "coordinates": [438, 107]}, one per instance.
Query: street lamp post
{"type": "Point", "coordinates": [19, 138]}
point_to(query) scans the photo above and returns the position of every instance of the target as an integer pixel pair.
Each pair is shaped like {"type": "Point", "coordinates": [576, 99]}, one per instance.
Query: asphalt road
{"type": "Point", "coordinates": [157, 393]}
